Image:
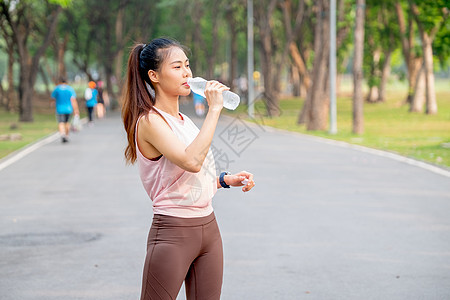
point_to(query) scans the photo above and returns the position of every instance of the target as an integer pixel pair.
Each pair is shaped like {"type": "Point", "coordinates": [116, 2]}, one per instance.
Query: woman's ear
{"type": "Point", "coordinates": [153, 76]}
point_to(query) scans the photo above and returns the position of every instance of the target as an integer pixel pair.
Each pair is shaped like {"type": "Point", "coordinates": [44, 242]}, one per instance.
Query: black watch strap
{"type": "Point", "coordinates": [222, 181]}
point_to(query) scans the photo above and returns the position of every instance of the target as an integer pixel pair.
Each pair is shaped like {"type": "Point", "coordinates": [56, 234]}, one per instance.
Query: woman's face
{"type": "Point", "coordinates": [173, 74]}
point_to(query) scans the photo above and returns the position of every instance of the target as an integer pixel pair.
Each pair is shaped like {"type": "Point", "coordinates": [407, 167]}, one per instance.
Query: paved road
{"type": "Point", "coordinates": [323, 222]}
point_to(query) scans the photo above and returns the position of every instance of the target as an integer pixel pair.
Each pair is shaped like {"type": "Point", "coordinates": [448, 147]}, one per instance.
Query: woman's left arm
{"type": "Point", "coordinates": [237, 180]}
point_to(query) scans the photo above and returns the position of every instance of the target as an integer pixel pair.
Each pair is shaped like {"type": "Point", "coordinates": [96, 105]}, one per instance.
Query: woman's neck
{"type": "Point", "coordinates": [170, 106]}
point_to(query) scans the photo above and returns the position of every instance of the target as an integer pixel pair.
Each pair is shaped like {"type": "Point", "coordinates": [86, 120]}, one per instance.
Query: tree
{"type": "Point", "coordinates": [134, 21]}
{"type": "Point", "coordinates": [413, 60]}
{"type": "Point", "coordinates": [53, 63]}
{"type": "Point", "coordinates": [312, 41]}
{"type": "Point", "coordinates": [109, 37]}
{"type": "Point", "coordinates": [358, 116]}
{"type": "Point", "coordinates": [81, 38]}
{"type": "Point", "coordinates": [381, 35]}
{"type": "Point", "coordinates": [429, 23]}
{"type": "Point", "coordinates": [315, 109]}
{"type": "Point", "coordinates": [293, 21]}
{"type": "Point", "coordinates": [8, 95]}
{"type": "Point", "coordinates": [98, 37]}
{"type": "Point", "coordinates": [264, 15]}
{"type": "Point", "coordinates": [235, 12]}
{"type": "Point", "coordinates": [345, 23]}
{"type": "Point", "coordinates": [29, 33]}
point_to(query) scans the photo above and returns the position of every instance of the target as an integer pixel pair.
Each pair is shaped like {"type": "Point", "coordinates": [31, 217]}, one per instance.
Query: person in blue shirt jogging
{"type": "Point", "coordinates": [66, 104]}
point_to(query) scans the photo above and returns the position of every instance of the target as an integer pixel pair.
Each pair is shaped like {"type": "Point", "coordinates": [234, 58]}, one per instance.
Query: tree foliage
{"type": "Point", "coordinates": [96, 36]}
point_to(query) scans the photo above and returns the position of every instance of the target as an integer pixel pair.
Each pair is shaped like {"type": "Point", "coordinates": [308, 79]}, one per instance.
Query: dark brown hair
{"type": "Point", "coordinates": [136, 98]}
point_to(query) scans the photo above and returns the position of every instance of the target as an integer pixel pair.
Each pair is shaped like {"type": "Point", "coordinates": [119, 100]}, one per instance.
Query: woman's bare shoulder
{"type": "Point", "coordinates": [153, 125]}
{"type": "Point", "coordinates": [152, 120]}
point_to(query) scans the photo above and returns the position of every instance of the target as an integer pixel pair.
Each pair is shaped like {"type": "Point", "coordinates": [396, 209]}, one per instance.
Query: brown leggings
{"type": "Point", "coordinates": [183, 249]}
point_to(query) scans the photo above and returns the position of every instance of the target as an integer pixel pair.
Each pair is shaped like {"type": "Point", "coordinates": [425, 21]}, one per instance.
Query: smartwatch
{"type": "Point", "coordinates": [222, 181]}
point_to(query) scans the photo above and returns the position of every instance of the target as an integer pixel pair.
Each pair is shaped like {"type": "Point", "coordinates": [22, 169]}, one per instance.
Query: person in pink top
{"type": "Point", "coordinates": [177, 171]}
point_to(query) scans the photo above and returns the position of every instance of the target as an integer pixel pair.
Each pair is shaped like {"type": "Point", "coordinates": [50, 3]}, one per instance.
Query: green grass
{"type": "Point", "coordinates": [43, 125]}
{"type": "Point", "coordinates": [388, 126]}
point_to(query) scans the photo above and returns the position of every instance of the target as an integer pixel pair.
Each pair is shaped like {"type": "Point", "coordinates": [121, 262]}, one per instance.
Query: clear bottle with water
{"type": "Point", "coordinates": [198, 86]}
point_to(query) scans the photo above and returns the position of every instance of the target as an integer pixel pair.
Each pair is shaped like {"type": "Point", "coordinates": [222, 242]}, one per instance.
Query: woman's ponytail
{"type": "Point", "coordinates": [136, 100]}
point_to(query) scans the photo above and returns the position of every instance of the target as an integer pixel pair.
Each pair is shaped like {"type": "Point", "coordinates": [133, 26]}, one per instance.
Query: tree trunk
{"type": "Point", "coordinates": [292, 32]}
{"type": "Point", "coordinates": [358, 117]}
{"type": "Point", "coordinates": [10, 105]}
{"type": "Point", "coordinates": [414, 66]}
{"type": "Point", "coordinates": [197, 42]}
{"type": "Point", "coordinates": [427, 49]}
{"type": "Point", "coordinates": [296, 82]}
{"type": "Point", "coordinates": [385, 73]}
{"type": "Point", "coordinates": [234, 49]}
{"type": "Point", "coordinates": [46, 81]}
{"type": "Point", "coordinates": [26, 90]}
{"type": "Point", "coordinates": [418, 98]}
{"type": "Point", "coordinates": [120, 52]}
{"type": "Point", "coordinates": [373, 94]}
{"type": "Point", "coordinates": [271, 98]}
{"type": "Point", "coordinates": [263, 14]}
{"type": "Point", "coordinates": [303, 117]}
{"type": "Point", "coordinates": [233, 62]}
{"type": "Point", "coordinates": [2, 95]}
{"type": "Point", "coordinates": [315, 109]}
{"type": "Point", "coordinates": [212, 56]}
{"type": "Point", "coordinates": [339, 76]}
{"type": "Point", "coordinates": [3, 100]}
{"type": "Point", "coordinates": [11, 46]}
{"type": "Point", "coordinates": [109, 56]}
{"type": "Point", "coordinates": [109, 73]}
{"type": "Point", "coordinates": [62, 47]}
{"type": "Point", "coordinates": [427, 42]}
{"type": "Point", "coordinates": [412, 63]}
{"type": "Point", "coordinates": [26, 104]}
{"type": "Point", "coordinates": [300, 64]}
{"type": "Point", "coordinates": [299, 73]}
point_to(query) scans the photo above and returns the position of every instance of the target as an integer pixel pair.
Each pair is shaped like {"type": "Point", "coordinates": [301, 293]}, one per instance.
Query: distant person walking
{"type": "Point", "coordinates": [90, 95]}
{"type": "Point", "coordinates": [65, 104]}
{"type": "Point", "coordinates": [101, 109]}
{"type": "Point", "coordinates": [242, 85]}
{"type": "Point", "coordinates": [199, 104]}
{"type": "Point", "coordinates": [178, 172]}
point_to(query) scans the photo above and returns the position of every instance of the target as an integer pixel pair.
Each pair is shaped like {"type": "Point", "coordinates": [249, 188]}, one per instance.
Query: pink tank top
{"type": "Point", "coordinates": [174, 191]}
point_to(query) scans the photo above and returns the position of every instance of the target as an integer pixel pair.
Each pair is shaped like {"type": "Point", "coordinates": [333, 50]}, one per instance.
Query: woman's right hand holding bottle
{"type": "Point", "coordinates": [213, 93]}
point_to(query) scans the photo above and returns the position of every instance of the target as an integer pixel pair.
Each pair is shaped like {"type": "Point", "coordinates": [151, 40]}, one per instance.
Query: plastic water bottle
{"type": "Point", "coordinates": [198, 86]}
